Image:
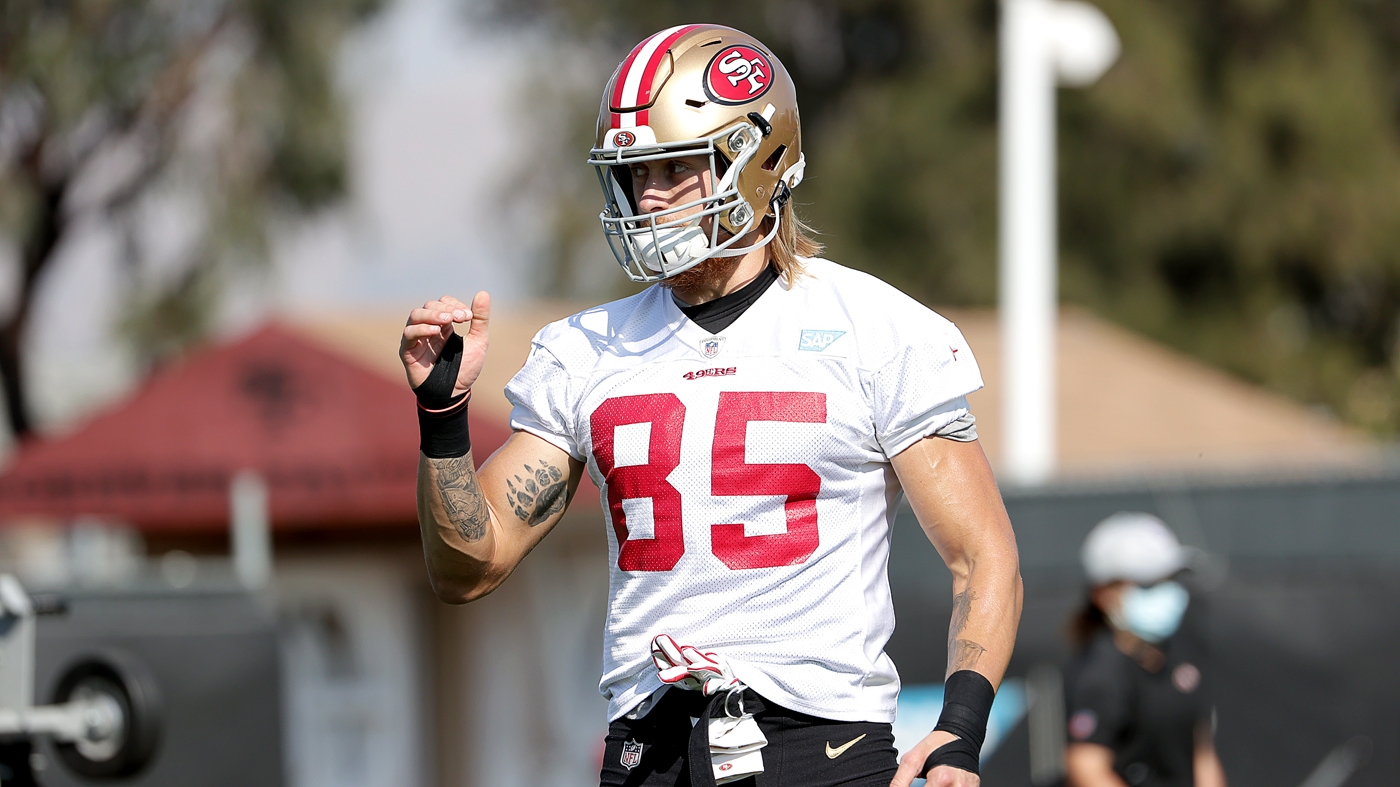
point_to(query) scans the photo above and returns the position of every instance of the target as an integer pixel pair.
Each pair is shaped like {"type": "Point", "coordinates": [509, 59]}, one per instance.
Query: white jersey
{"type": "Point", "coordinates": [746, 478]}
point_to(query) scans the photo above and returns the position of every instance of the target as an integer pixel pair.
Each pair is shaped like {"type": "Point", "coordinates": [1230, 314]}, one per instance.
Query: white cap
{"type": "Point", "coordinates": [1134, 547]}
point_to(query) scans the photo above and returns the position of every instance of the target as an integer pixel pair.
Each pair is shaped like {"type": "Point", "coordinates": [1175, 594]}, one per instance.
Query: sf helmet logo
{"type": "Point", "coordinates": [737, 75]}
{"type": "Point", "coordinates": [624, 139]}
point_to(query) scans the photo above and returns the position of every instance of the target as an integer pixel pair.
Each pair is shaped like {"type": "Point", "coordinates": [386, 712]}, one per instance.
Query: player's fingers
{"type": "Point", "coordinates": [700, 662]}
{"type": "Point", "coordinates": [431, 314]}
{"type": "Point", "coordinates": [456, 305]}
{"type": "Point", "coordinates": [416, 332]}
{"type": "Point", "coordinates": [449, 305]}
{"type": "Point", "coordinates": [673, 674]}
{"type": "Point", "coordinates": [693, 656]}
{"type": "Point", "coordinates": [438, 306]}
{"type": "Point", "coordinates": [452, 308]}
{"type": "Point", "coordinates": [660, 659]}
{"type": "Point", "coordinates": [480, 315]}
{"type": "Point", "coordinates": [668, 648]}
{"type": "Point", "coordinates": [948, 776]}
{"type": "Point", "coordinates": [908, 771]}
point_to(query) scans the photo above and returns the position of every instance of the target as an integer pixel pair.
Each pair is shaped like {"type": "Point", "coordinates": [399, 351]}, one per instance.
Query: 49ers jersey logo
{"type": "Point", "coordinates": [737, 75]}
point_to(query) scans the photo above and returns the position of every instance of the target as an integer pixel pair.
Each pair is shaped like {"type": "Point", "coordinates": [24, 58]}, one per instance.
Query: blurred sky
{"type": "Point", "coordinates": [437, 141]}
{"type": "Point", "coordinates": [433, 143]}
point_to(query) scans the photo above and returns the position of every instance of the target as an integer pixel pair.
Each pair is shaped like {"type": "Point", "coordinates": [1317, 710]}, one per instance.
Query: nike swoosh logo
{"type": "Point", "coordinates": [832, 754]}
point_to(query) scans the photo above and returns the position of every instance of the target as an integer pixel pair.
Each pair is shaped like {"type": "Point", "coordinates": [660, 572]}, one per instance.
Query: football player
{"type": "Point", "coordinates": [751, 419]}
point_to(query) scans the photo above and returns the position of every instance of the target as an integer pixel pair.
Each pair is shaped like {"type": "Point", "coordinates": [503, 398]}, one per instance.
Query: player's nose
{"type": "Point", "coordinates": [653, 200]}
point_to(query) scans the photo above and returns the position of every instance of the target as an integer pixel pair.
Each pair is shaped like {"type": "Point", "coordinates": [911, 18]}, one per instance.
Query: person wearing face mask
{"type": "Point", "coordinates": [1138, 713]}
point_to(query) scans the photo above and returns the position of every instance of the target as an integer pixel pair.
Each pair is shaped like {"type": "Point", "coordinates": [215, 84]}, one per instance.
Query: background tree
{"type": "Point", "coordinates": [1231, 187]}
{"type": "Point", "coordinates": [210, 119]}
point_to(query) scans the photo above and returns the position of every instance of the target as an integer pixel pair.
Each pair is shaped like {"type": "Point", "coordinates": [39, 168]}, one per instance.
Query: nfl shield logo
{"type": "Point", "coordinates": [711, 347]}
{"type": "Point", "coordinates": [631, 754]}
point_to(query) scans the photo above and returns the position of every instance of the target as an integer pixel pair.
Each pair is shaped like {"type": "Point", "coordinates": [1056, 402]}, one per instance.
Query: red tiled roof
{"type": "Point", "coordinates": [336, 443]}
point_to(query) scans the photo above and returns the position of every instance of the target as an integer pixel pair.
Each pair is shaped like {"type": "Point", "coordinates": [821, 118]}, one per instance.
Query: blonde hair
{"type": "Point", "coordinates": [793, 242]}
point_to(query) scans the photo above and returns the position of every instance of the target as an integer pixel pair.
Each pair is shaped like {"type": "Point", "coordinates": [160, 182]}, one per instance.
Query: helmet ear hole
{"type": "Point", "coordinates": [772, 162]}
{"type": "Point", "coordinates": [721, 164]}
{"type": "Point", "coordinates": [622, 186]}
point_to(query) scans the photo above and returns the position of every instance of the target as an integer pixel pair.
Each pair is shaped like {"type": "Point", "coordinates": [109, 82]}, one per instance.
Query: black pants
{"type": "Point", "coordinates": [798, 753]}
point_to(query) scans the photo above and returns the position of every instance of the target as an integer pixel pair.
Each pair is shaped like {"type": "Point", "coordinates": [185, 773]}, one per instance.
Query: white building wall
{"type": "Point", "coordinates": [527, 697]}
{"type": "Point", "coordinates": [353, 652]}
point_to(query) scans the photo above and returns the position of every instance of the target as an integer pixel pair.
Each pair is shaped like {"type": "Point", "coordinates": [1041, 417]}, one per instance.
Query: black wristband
{"type": "Point", "coordinates": [967, 705]}
{"type": "Point", "coordinates": [956, 753]}
{"type": "Point", "coordinates": [435, 393]}
{"type": "Point", "coordinates": [442, 425]}
{"type": "Point", "coordinates": [444, 435]}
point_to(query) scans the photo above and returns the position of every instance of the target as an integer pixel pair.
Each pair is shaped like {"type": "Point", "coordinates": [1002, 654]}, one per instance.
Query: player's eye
{"type": "Point", "coordinates": [678, 167]}
{"type": "Point", "coordinates": [639, 172]}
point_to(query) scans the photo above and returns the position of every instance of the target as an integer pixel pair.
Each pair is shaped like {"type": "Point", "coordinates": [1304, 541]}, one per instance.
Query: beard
{"type": "Point", "coordinates": [715, 271]}
{"type": "Point", "coordinates": [707, 275]}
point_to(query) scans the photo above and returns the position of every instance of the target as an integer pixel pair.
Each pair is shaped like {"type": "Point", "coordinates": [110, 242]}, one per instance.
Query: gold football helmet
{"type": "Point", "coordinates": [697, 90]}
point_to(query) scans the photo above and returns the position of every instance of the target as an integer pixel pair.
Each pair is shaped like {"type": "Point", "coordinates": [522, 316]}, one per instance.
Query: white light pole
{"type": "Point", "coordinates": [1043, 42]}
{"type": "Point", "coordinates": [251, 526]}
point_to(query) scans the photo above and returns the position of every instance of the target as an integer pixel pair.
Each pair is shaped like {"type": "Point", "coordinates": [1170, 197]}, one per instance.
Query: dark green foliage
{"type": "Point", "coordinates": [113, 108]}
{"type": "Point", "coordinates": [1231, 187]}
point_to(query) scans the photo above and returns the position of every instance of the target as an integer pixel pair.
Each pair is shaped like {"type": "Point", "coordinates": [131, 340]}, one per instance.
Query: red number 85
{"type": "Point", "coordinates": [730, 475]}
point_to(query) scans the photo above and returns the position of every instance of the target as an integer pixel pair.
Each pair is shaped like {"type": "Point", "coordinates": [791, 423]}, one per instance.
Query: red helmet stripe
{"type": "Point", "coordinates": [616, 100]}
{"type": "Point", "coordinates": [644, 90]}
{"type": "Point", "coordinates": [634, 78]}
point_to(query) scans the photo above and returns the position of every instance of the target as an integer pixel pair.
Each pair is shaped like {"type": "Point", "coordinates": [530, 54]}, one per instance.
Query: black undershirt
{"type": "Point", "coordinates": [718, 314]}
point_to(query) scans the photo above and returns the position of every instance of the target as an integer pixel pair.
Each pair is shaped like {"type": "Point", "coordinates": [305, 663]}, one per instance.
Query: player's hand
{"type": "Point", "coordinates": [428, 329]}
{"type": "Point", "coordinates": [942, 776]}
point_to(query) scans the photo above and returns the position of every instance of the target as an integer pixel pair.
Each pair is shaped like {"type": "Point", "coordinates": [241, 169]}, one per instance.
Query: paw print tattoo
{"type": "Point", "coordinates": [538, 493]}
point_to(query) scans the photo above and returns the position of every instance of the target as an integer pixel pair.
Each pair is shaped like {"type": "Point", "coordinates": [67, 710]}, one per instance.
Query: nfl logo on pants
{"type": "Point", "coordinates": [631, 754]}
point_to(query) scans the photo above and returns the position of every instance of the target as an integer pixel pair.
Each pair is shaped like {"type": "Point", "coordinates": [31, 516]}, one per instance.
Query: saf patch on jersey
{"type": "Point", "coordinates": [819, 341]}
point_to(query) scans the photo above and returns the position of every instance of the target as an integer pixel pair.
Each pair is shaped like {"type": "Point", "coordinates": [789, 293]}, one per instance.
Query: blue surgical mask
{"type": "Point", "coordinates": [1153, 613]}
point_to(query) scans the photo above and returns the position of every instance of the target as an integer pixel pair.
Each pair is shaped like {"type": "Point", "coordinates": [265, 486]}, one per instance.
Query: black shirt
{"type": "Point", "coordinates": [718, 314]}
{"type": "Point", "coordinates": [1149, 719]}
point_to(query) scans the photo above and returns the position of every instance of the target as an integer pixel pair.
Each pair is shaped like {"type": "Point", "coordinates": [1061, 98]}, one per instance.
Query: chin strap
{"type": "Point", "coordinates": [741, 251]}
{"type": "Point", "coordinates": [792, 177]}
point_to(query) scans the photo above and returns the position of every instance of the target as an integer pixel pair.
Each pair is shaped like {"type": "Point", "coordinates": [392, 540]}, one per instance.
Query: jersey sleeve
{"type": "Point", "coordinates": [923, 387]}
{"type": "Point", "coordinates": [540, 396]}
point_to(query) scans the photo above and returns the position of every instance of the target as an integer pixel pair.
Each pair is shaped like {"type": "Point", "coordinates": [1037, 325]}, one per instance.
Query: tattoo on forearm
{"type": "Point", "coordinates": [962, 607]}
{"type": "Point", "coordinates": [461, 496]}
{"type": "Point", "coordinates": [962, 653]}
{"type": "Point", "coordinates": [538, 494]}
